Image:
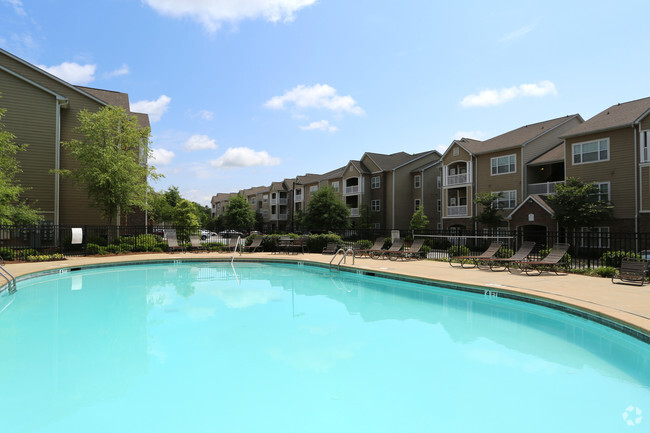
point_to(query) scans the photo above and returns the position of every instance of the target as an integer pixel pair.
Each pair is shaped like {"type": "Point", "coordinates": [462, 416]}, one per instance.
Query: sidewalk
{"type": "Point", "coordinates": [627, 304]}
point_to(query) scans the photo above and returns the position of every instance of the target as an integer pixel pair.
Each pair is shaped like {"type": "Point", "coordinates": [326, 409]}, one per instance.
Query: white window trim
{"type": "Point", "coordinates": [374, 185]}
{"type": "Point", "coordinates": [598, 140]}
{"type": "Point", "coordinates": [417, 181]}
{"type": "Point", "coordinates": [645, 145]}
{"type": "Point", "coordinates": [336, 186]}
{"type": "Point", "coordinates": [497, 159]}
{"type": "Point", "coordinates": [507, 199]}
{"type": "Point", "coordinates": [417, 204]}
{"type": "Point", "coordinates": [372, 205]}
{"type": "Point", "coordinates": [439, 205]}
{"type": "Point", "coordinates": [601, 236]}
{"type": "Point", "coordinates": [609, 189]}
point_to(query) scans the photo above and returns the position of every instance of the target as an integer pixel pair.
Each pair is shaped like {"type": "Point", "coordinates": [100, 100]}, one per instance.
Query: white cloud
{"type": "Point", "coordinates": [203, 114]}
{"type": "Point", "coordinates": [517, 33]}
{"type": "Point", "coordinates": [161, 156]}
{"type": "Point", "coordinates": [486, 98]}
{"type": "Point", "coordinates": [244, 157]}
{"type": "Point", "coordinates": [320, 96]}
{"type": "Point", "coordinates": [124, 70]}
{"type": "Point", "coordinates": [17, 5]}
{"type": "Point", "coordinates": [322, 125]}
{"type": "Point", "coordinates": [200, 142]}
{"type": "Point", "coordinates": [212, 13]}
{"type": "Point", "coordinates": [155, 109]}
{"type": "Point", "coordinates": [476, 135]}
{"type": "Point", "coordinates": [72, 72]}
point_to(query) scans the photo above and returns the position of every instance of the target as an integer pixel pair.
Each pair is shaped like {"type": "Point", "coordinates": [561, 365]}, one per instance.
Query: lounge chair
{"type": "Point", "coordinates": [172, 241]}
{"type": "Point", "coordinates": [413, 251]}
{"type": "Point", "coordinates": [331, 248]}
{"type": "Point", "coordinates": [395, 247]}
{"type": "Point", "coordinates": [499, 265]}
{"type": "Point", "coordinates": [232, 244]}
{"type": "Point", "coordinates": [376, 247]}
{"type": "Point", "coordinates": [632, 271]}
{"type": "Point", "coordinates": [195, 240]}
{"type": "Point", "coordinates": [550, 263]}
{"type": "Point", "coordinates": [297, 245]}
{"type": "Point", "coordinates": [284, 244]}
{"type": "Point", "coordinates": [473, 260]}
{"type": "Point", "coordinates": [255, 244]}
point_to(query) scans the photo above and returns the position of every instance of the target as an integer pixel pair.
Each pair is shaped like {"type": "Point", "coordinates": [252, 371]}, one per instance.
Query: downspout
{"type": "Point", "coordinates": [60, 103]}
{"type": "Point", "coordinates": [393, 222]}
{"type": "Point", "coordinates": [636, 191]}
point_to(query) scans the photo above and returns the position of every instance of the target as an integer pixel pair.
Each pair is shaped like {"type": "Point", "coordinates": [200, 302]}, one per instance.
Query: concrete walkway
{"type": "Point", "coordinates": [626, 304]}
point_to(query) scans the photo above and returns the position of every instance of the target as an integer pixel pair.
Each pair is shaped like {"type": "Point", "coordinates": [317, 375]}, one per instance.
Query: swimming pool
{"type": "Point", "coordinates": [258, 347]}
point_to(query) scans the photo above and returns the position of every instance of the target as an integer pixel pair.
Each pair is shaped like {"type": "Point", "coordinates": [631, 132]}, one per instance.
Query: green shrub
{"type": "Point", "coordinates": [97, 240]}
{"type": "Point", "coordinates": [365, 244]}
{"type": "Point", "coordinates": [44, 257]}
{"type": "Point", "coordinates": [458, 250]}
{"type": "Point", "coordinates": [565, 262]}
{"type": "Point", "coordinates": [316, 243]}
{"type": "Point", "coordinates": [95, 249]}
{"type": "Point", "coordinates": [605, 271]}
{"type": "Point", "coordinates": [613, 258]}
{"type": "Point", "coordinates": [425, 250]}
{"type": "Point", "coordinates": [115, 249]}
{"type": "Point", "coordinates": [504, 252]}
{"type": "Point", "coordinates": [7, 253]}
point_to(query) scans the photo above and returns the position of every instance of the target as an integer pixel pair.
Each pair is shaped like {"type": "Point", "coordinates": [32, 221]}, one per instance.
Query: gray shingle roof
{"type": "Point", "coordinates": [616, 116]}
{"type": "Point", "coordinates": [554, 154]}
{"type": "Point", "coordinates": [389, 162]}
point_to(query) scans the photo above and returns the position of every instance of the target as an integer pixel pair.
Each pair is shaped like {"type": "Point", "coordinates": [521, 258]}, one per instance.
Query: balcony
{"type": "Point", "coordinates": [354, 211]}
{"type": "Point", "coordinates": [544, 188]}
{"type": "Point", "coordinates": [283, 216]}
{"type": "Point", "coordinates": [297, 198]}
{"type": "Point", "coordinates": [457, 179]}
{"type": "Point", "coordinates": [283, 201]}
{"type": "Point", "coordinates": [455, 211]}
{"type": "Point", "coordinates": [352, 189]}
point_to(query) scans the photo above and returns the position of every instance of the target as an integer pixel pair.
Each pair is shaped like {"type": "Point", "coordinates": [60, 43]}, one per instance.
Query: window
{"type": "Point", "coordinates": [417, 204]}
{"type": "Point", "coordinates": [375, 182]}
{"type": "Point", "coordinates": [591, 151]}
{"type": "Point", "coordinates": [298, 192]}
{"type": "Point", "coordinates": [456, 151]}
{"type": "Point", "coordinates": [439, 226]}
{"type": "Point", "coordinates": [506, 200]}
{"type": "Point", "coordinates": [313, 189]}
{"type": "Point", "coordinates": [595, 237]}
{"type": "Point", "coordinates": [645, 147]}
{"type": "Point", "coordinates": [603, 191]}
{"type": "Point", "coordinates": [335, 186]}
{"type": "Point", "coordinates": [504, 164]}
{"type": "Point", "coordinates": [439, 181]}
{"type": "Point", "coordinates": [416, 181]}
{"type": "Point", "coordinates": [265, 198]}
{"type": "Point", "coordinates": [375, 205]}
{"type": "Point", "coordinates": [376, 226]}
{"type": "Point", "coordinates": [439, 205]}
{"type": "Point", "coordinates": [253, 201]}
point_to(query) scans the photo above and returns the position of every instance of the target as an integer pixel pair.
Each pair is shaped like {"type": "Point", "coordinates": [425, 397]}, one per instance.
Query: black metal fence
{"type": "Point", "coordinates": [588, 249]}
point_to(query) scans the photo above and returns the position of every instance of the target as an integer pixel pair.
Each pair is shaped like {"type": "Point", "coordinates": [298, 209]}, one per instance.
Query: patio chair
{"type": "Point", "coordinates": [298, 245]}
{"type": "Point", "coordinates": [283, 244]}
{"type": "Point", "coordinates": [413, 251]}
{"type": "Point", "coordinates": [255, 244]}
{"type": "Point", "coordinates": [195, 240]}
{"type": "Point", "coordinates": [632, 271]}
{"type": "Point", "coordinates": [331, 248]}
{"type": "Point", "coordinates": [500, 265]}
{"type": "Point", "coordinates": [550, 263]}
{"type": "Point", "coordinates": [172, 241]}
{"type": "Point", "coordinates": [395, 247]}
{"type": "Point", "coordinates": [232, 244]}
{"type": "Point", "coordinates": [472, 261]}
{"type": "Point", "coordinates": [376, 247]}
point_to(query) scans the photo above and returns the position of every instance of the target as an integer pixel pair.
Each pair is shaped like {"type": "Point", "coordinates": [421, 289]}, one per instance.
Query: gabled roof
{"type": "Point", "coordinates": [223, 196]}
{"type": "Point", "coordinates": [333, 174]}
{"type": "Point", "coordinates": [554, 154]}
{"type": "Point", "coordinates": [520, 136]}
{"type": "Point", "coordinates": [539, 199]}
{"type": "Point", "coordinates": [360, 166]}
{"type": "Point", "coordinates": [616, 116]}
{"type": "Point", "coordinates": [307, 178]}
{"type": "Point", "coordinates": [254, 190]}
{"type": "Point", "coordinates": [394, 160]}
{"type": "Point", "coordinates": [469, 144]}
{"type": "Point", "coordinates": [278, 186]}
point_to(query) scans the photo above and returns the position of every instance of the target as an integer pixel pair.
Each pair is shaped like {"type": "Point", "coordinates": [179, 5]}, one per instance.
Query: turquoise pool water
{"type": "Point", "coordinates": [205, 347]}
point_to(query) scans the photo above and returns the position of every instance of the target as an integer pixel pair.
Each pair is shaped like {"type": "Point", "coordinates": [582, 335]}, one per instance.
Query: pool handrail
{"type": "Point", "coordinates": [345, 253]}
{"type": "Point", "coordinates": [11, 280]}
{"type": "Point", "coordinates": [234, 250]}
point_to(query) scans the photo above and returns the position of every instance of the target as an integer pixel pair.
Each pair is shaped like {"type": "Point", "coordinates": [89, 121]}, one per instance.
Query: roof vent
{"type": "Point", "coordinates": [608, 112]}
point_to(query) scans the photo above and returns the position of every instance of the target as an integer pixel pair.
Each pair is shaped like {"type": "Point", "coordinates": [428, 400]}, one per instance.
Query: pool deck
{"type": "Point", "coordinates": [624, 303]}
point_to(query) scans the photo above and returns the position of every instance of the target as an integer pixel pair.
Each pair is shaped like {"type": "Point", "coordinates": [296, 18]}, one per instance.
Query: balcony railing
{"type": "Point", "coordinates": [645, 155]}
{"type": "Point", "coordinates": [457, 179]}
{"type": "Point", "coordinates": [352, 189]}
{"type": "Point", "coordinates": [297, 198]}
{"type": "Point", "coordinates": [453, 211]}
{"type": "Point", "coordinates": [283, 216]}
{"type": "Point", "coordinates": [282, 201]}
{"type": "Point", "coordinates": [542, 188]}
{"type": "Point", "coordinates": [354, 211]}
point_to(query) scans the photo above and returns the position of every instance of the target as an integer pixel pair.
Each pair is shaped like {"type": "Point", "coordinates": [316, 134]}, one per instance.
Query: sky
{"type": "Point", "coordinates": [242, 93]}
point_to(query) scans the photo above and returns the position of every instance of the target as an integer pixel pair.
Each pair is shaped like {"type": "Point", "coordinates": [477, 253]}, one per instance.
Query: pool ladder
{"type": "Point", "coordinates": [343, 259]}
{"type": "Point", "coordinates": [234, 250]}
{"type": "Point", "coordinates": [11, 280]}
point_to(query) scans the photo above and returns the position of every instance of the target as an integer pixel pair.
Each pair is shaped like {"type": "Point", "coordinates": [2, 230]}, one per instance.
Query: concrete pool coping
{"type": "Point", "coordinates": [624, 304]}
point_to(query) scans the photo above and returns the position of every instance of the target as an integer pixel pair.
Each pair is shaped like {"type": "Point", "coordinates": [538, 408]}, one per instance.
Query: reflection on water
{"type": "Point", "coordinates": [130, 347]}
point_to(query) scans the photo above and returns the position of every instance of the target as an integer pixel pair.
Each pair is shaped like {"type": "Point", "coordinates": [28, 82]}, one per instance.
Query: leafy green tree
{"type": "Point", "coordinates": [419, 221]}
{"type": "Point", "coordinates": [326, 211]}
{"type": "Point", "coordinates": [13, 209]}
{"type": "Point", "coordinates": [111, 155]}
{"type": "Point", "coordinates": [238, 214]}
{"type": "Point", "coordinates": [489, 213]}
{"type": "Point", "coordinates": [578, 204]}
{"type": "Point", "coordinates": [184, 215]}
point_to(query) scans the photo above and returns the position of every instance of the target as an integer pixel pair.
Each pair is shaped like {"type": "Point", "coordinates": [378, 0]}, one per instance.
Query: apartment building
{"type": "Point", "coordinates": [498, 165]}
{"type": "Point", "coordinates": [42, 111]}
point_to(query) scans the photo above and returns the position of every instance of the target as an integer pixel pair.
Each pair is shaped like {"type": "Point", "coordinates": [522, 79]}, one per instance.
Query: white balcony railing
{"type": "Point", "coordinates": [456, 211]}
{"type": "Point", "coordinates": [542, 188]}
{"type": "Point", "coordinates": [354, 211]}
{"type": "Point", "coordinates": [297, 198]}
{"type": "Point", "coordinates": [283, 216]}
{"type": "Point", "coordinates": [645, 155]}
{"type": "Point", "coordinates": [283, 201]}
{"type": "Point", "coordinates": [457, 179]}
{"type": "Point", "coordinates": [352, 189]}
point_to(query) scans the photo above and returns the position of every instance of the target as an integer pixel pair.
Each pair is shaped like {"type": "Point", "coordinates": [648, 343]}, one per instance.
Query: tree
{"type": "Point", "coordinates": [489, 214]}
{"type": "Point", "coordinates": [326, 211]}
{"type": "Point", "coordinates": [238, 214]}
{"type": "Point", "coordinates": [419, 221]}
{"type": "Point", "coordinates": [111, 156]}
{"type": "Point", "coordinates": [184, 215]}
{"type": "Point", "coordinates": [13, 209]}
{"type": "Point", "coordinates": [578, 204]}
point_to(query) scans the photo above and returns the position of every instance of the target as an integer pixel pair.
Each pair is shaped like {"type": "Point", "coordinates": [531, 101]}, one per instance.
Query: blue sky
{"type": "Point", "coordinates": [242, 93]}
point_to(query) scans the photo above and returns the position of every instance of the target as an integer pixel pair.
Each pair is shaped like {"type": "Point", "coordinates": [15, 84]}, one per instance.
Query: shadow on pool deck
{"type": "Point", "coordinates": [623, 303]}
